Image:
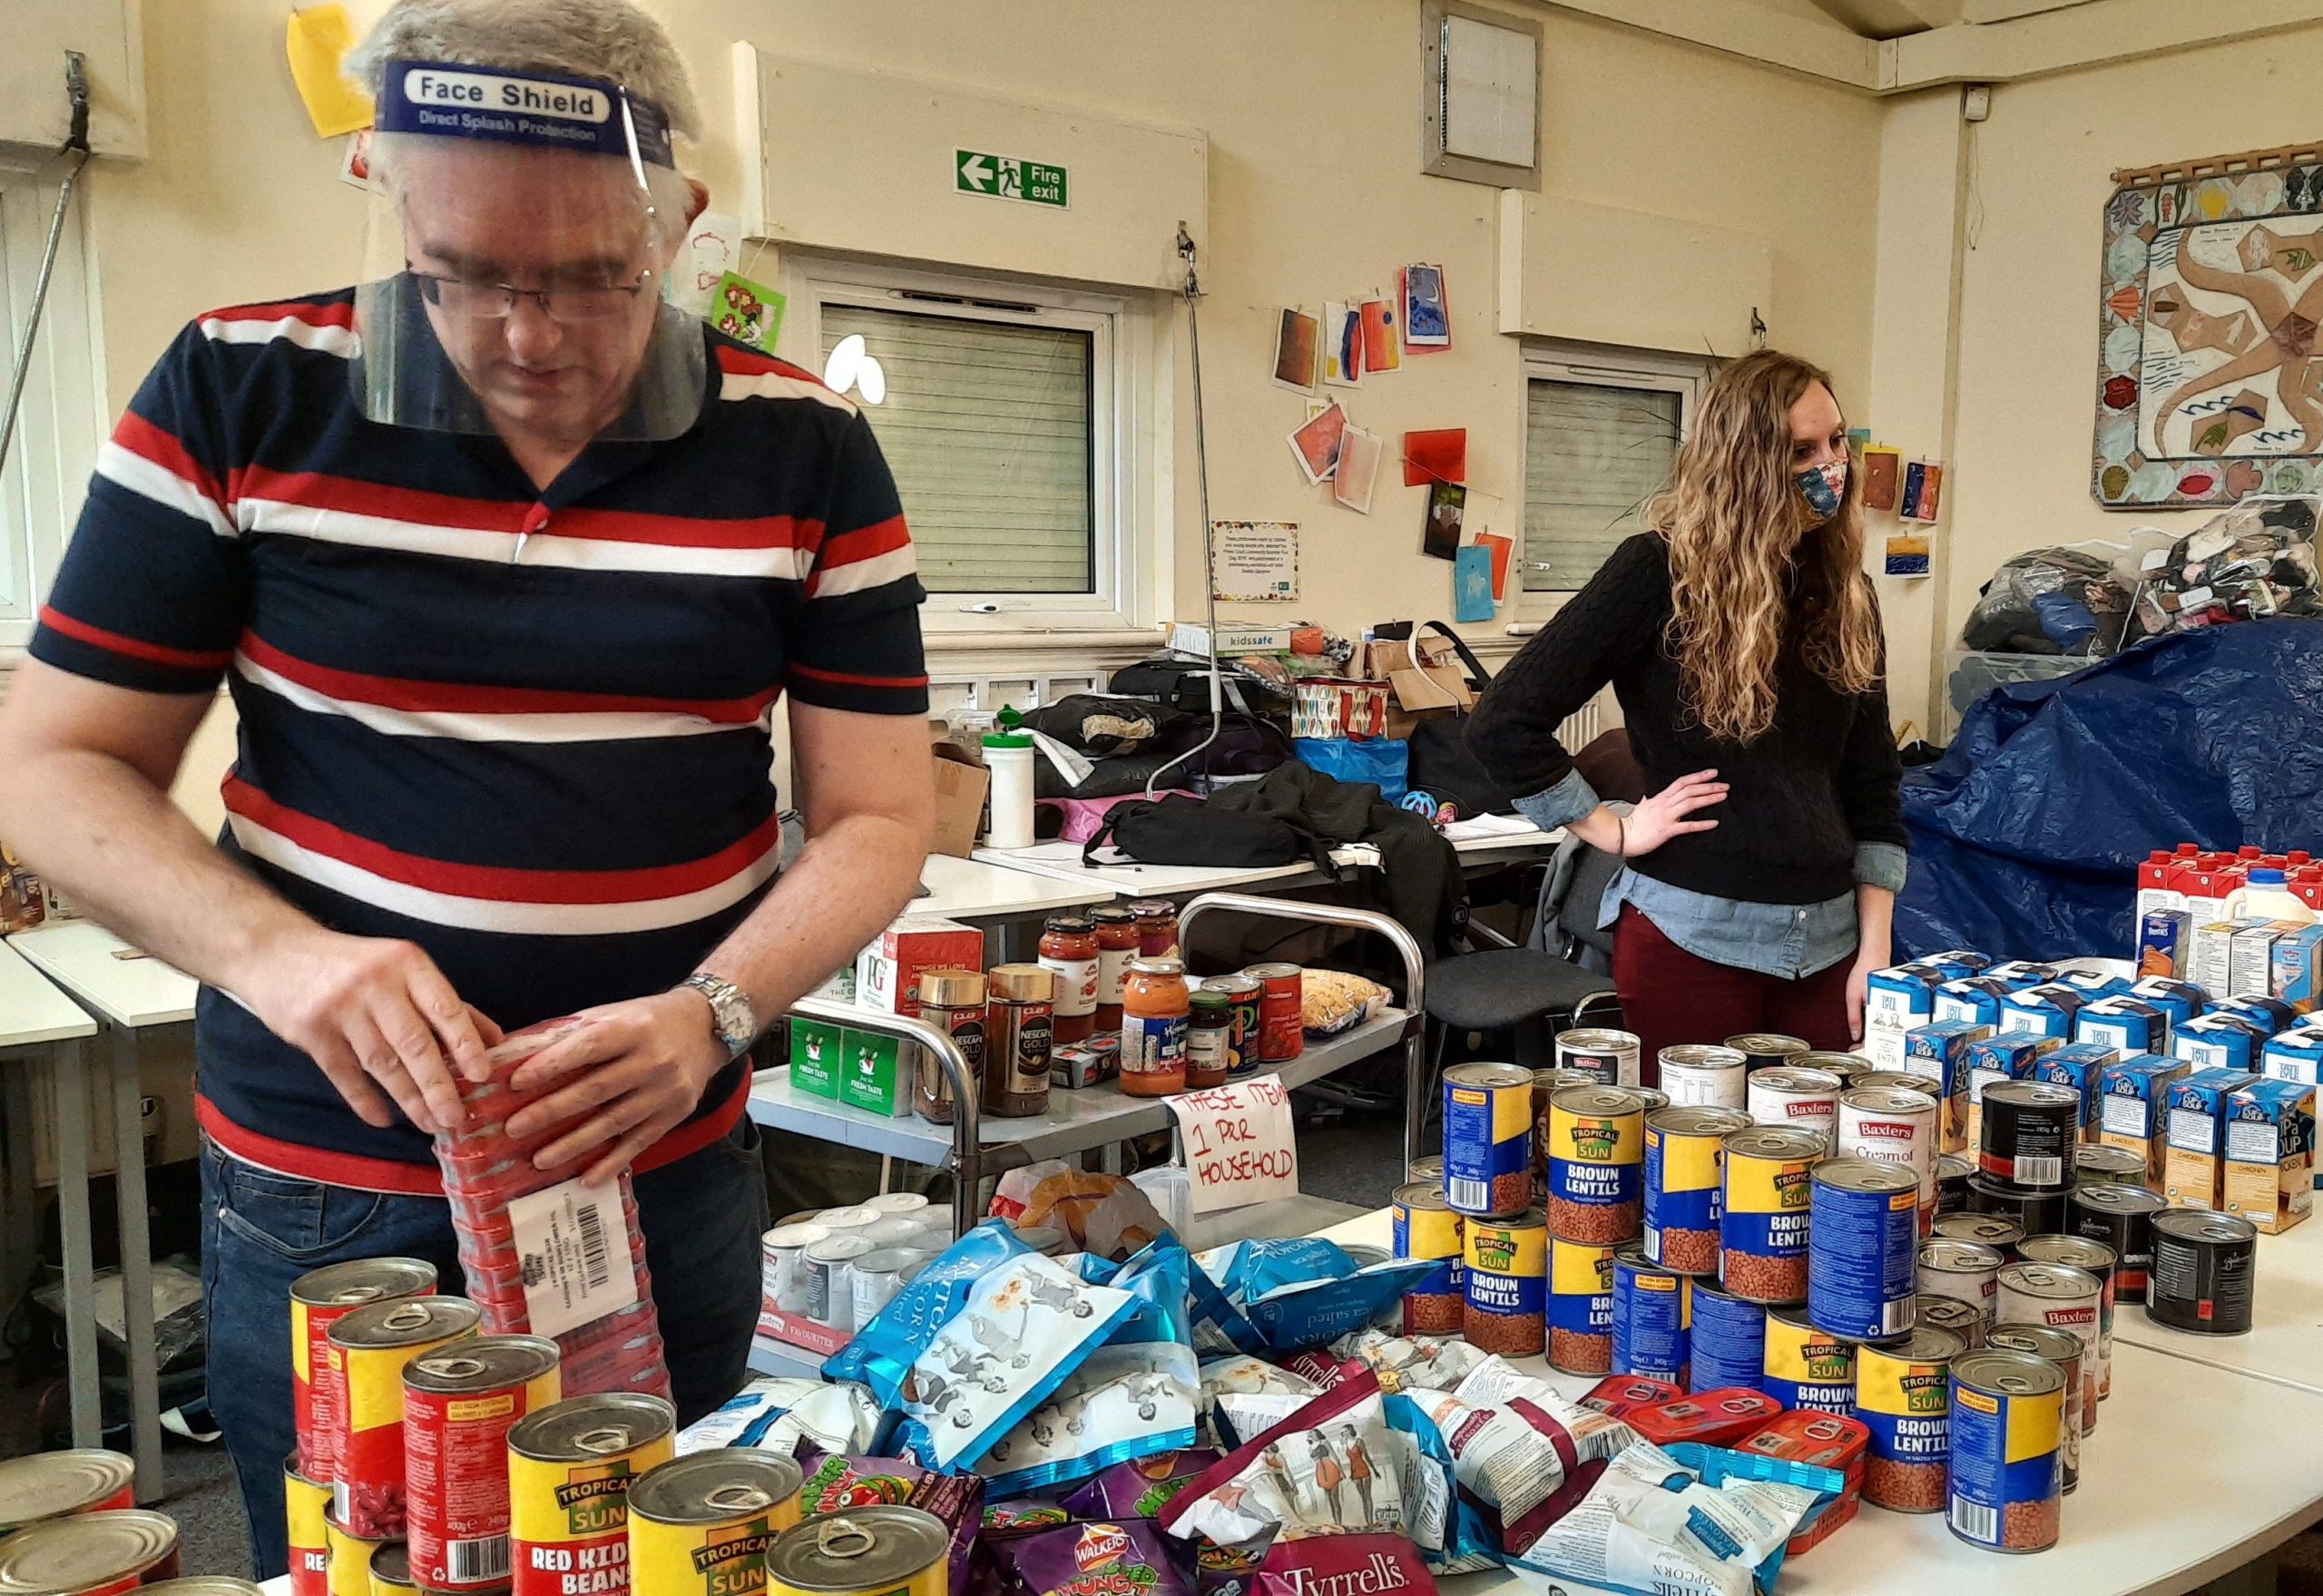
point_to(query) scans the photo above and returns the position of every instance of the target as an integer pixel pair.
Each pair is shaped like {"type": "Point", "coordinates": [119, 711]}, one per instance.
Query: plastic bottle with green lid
{"type": "Point", "coordinates": [1009, 755]}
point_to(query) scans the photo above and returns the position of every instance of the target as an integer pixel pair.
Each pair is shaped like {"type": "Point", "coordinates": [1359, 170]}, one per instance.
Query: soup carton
{"type": "Point", "coordinates": [2268, 1135]}
{"type": "Point", "coordinates": [2134, 1110]}
{"type": "Point", "coordinates": [2010, 1056]}
{"type": "Point", "coordinates": [2048, 1010]}
{"type": "Point", "coordinates": [2219, 1041]}
{"type": "Point", "coordinates": [1940, 1051]}
{"type": "Point", "coordinates": [2194, 1171]}
{"type": "Point", "coordinates": [2298, 976]}
{"type": "Point", "coordinates": [1897, 999]}
{"type": "Point", "coordinates": [2125, 1024]}
{"type": "Point", "coordinates": [1975, 1000]}
{"type": "Point", "coordinates": [2180, 1001]}
{"type": "Point", "coordinates": [2078, 1066]}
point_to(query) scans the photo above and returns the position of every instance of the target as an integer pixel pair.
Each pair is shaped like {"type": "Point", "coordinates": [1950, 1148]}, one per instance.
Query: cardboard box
{"type": "Point", "coordinates": [2269, 1014]}
{"type": "Point", "coordinates": [1941, 1049]}
{"type": "Point", "coordinates": [2219, 1041]}
{"type": "Point", "coordinates": [798, 1330]}
{"type": "Point", "coordinates": [2048, 1010]}
{"type": "Point", "coordinates": [1900, 998]}
{"type": "Point", "coordinates": [2164, 938]}
{"type": "Point", "coordinates": [1975, 999]}
{"type": "Point", "coordinates": [2009, 1055]}
{"type": "Point", "coordinates": [872, 1074]}
{"type": "Point", "coordinates": [961, 785]}
{"type": "Point", "coordinates": [2194, 1171]}
{"type": "Point", "coordinates": [2125, 1024]}
{"type": "Point", "coordinates": [2296, 977]}
{"type": "Point", "coordinates": [2294, 1055]}
{"type": "Point", "coordinates": [2251, 958]}
{"type": "Point", "coordinates": [2210, 956]}
{"type": "Point", "coordinates": [1089, 1063]}
{"type": "Point", "coordinates": [2020, 974]}
{"type": "Point", "coordinates": [816, 1047]}
{"type": "Point", "coordinates": [2133, 1113]}
{"type": "Point", "coordinates": [887, 972]}
{"type": "Point", "coordinates": [2079, 1067]}
{"type": "Point", "coordinates": [1191, 638]}
{"type": "Point", "coordinates": [2180, 1001]}
{"type": "Point", "coordinates": [2267, 1130]}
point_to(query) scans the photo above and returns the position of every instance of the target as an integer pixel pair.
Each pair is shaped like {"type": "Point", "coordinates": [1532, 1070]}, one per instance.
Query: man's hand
{"type": "Point", "coordinates": [629, 1075]}
{"type": "Point", "coordinates": [377, 1016]}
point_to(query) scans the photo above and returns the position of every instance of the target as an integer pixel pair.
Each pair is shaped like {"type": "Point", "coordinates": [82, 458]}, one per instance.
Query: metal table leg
{"type": "Point", "coordinates": [136, 1261]}
{"type": "Point", "coordinates": [20, 1228]}
{"type": "Point", "coordinates": [73, 1223]}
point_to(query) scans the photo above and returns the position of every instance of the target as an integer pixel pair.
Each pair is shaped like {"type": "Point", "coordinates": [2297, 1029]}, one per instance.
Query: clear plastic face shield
{"type": "Point", "coordinates": [521, 225]}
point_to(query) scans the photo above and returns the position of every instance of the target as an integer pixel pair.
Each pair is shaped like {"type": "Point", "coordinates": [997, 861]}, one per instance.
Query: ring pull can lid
{"type": "Point", "coordinates": [841, 1537]}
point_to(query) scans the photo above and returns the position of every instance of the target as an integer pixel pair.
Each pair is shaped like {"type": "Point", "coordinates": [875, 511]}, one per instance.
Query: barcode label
{"type": "Point", "coordinates": [1896, 1318]}
{"type": "Point", "coordinates": [1469, 1196]}
{"type": "Point", "coordinates": [1978, 1523]}
{"type": "Point", "coordinates": [476, 1562]}
{"type": "Point", "coordinates": [2040, 1171]}
{"type": "Point", "coordinates": [575, 1248]}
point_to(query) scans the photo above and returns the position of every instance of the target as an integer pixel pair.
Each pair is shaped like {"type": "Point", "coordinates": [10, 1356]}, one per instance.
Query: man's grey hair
{"type": "Point", "coordinates": [613, 39]}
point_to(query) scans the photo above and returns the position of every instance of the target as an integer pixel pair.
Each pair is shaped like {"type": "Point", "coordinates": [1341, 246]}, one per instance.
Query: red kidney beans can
{"type": "Point", "coordinates": [458, 1403]}
{"type": "Point", "coordinates": [2006, 1426]}
{"type": "Point", "coordinates": [1861, 1240]}
{"type": "Point", "coordinates": [2121, 1217]}
{"type": "Point", "coordinates": [2028, 1134]}
{"type": "Point", "coordinates": [368, 1349]}
{"type": "Point", "coordinates": [2061, 1348]}
{"type": "Point", "coordinates": [317, 1298]}
{"type": "Point", "coordinates": [2099, 1258]}
{"type": "Point", "coordinates": [1282, 1025]}
{"type": "Point", "coordinates": [2205, 1267]}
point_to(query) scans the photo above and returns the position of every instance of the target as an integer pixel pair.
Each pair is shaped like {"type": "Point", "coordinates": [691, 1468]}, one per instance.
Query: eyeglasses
{"type": "Point", "coordinates": [491, 301]}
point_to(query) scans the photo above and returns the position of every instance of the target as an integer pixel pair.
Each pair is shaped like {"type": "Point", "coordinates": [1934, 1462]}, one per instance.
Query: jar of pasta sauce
{"type": "Point", "coordinates": [1209, 1039]}
{"type": "Point", "coordinates": [1069, 952]}
{"type": "Point", "coordinates": [1155, 1010]}
{"type": "Point", "coordinates": [1157, 927]}
{"type": "Point", "coordinates": [1282, 1025]}
{"type": "Point", "coordinates": [1018, 1038]}
{"type": "Point", "coordinates": [1117, 945]}
{"type": "Point", "coordinates": [953, 1001]}
{"type": "Point", "coordinates": [1245, 992]}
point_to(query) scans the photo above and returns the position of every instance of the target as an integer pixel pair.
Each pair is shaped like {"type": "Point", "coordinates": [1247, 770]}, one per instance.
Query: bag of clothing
{"type": "Point", "coordinates": [1180, 830]}
{"type": "Point", "coordinates": [1382, 762]}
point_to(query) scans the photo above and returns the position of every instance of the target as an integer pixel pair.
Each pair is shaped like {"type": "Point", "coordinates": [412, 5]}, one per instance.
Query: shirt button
{"type": "Point", "coordinates": [1802, 916]}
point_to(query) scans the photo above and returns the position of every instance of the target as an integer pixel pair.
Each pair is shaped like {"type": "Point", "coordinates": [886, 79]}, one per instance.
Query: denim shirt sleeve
{"type": "Point", "coordinates": [1569, 800]}
{"type": "Point", "coordinates": [1880, 864]}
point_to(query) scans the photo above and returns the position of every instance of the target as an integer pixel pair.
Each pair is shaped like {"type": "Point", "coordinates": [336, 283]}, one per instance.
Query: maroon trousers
{"type": "Point", "coordinates": [1669, 997]}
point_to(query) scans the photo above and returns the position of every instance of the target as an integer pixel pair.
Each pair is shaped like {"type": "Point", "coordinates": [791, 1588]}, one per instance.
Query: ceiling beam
{"type": "Point", "coordinates": [1817, 50]}
{"type": "Point", "coordinates": [2078, 35]}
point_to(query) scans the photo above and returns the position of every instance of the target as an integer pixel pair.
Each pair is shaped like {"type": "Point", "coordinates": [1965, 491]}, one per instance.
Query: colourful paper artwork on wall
{"type": "Point", "coordinates": [1381, 351]}
{"type": "Point", "coordinates": [1882, 468]}
{"type": "Point", "coordinates": [2210, 379]}
{"type": "Point", "coordinates": [1439, 456]}
{"type": "Point", "coordinates": [1295, 339]}
{"type": "Point", "coordinates": [1427, 319]}
{"type": "Point", "coordinates": [1343, 345]}
{"type": "Point", "coordinates": [746, 310]}
{"type": "Point", "coordinates": [1472, 584]}
{"type": "Point", "coordinates": [1317, 444]}
{"type": "Point", "coordinates": [1923, 494]}
{"type": "Point", "coordinates": [1503, 551]}
{"type": "Point", "coordinates": [1447, 507]}
{"type": "Point", "coordinates": [1906, 554]}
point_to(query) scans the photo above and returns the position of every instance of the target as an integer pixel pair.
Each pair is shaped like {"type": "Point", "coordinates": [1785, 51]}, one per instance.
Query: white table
{"type": "Point", "coordinates": [1062, 861]}
{"type": "Point", "coordinates": [127, 996]}
{"type": "Point", "coordinates": [2285, 1340]}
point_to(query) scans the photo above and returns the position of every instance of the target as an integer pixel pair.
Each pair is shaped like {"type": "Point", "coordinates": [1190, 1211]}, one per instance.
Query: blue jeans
{"type": "Point", "coordinates": [702, 1216]}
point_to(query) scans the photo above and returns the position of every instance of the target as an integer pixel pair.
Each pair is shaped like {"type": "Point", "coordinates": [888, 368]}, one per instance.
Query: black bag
{"type": "Point", "coordinates": [1094, 724]}
{"type": "Point", "coordinates": [1441, 765]}
{"type": "Point", "coordinates": [1184, 684]}
{"type": "Point", "coordinates": [1180, 830]}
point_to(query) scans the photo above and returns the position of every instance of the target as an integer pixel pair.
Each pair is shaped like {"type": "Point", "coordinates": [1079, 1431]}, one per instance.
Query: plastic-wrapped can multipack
{"type": "Point", "coordinates": [545, 1254]}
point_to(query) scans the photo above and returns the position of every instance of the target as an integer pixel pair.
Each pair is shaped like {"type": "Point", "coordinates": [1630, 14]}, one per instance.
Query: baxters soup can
{"type": "Point", "coordinates": [570, 1469]}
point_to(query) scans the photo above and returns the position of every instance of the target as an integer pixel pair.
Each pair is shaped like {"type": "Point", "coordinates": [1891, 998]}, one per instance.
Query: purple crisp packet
{"type": "Point", "coordinates": [1142, 1487]}
{"type": "Point", "coordinates": [836, 1482]}
{"type": "Point", "coordinates": [1105, 1557]}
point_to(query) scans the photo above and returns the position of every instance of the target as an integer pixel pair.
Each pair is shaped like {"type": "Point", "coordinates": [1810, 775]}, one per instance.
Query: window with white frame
{"type": "Point", "coordinates": [60, 422]}
{"type": "Point", "coordinates": [1008, 413]}
{"type": "Point", "coordinates": [1601, 434]}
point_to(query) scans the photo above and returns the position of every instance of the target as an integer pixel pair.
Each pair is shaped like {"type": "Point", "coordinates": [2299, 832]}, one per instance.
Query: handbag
{"type": "Point", "coordinates": [1441, 765]}
{"type": "Point", "coordinates": [1180, 830]}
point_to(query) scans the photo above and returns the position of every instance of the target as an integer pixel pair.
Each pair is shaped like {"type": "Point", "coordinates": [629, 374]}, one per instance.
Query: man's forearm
{"type": "Point", "coordinates": [840, 893]}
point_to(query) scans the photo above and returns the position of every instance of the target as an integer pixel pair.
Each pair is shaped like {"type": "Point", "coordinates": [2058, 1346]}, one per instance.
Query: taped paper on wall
{"type": "Point", "coordinates": [1254, 561]}
{"type": "Point", "coordinates": [1472, 596]}
{"type": "Point", "coordinates": [1317, 444]}
{"type": "Point", "coordinates": [1342, 345]}
{"type": "Point", "coordinates": [1359, 470]}
{"type": "Point", "coordinates": [1428, 320]}
{"type": "Point", "coordinates": [1380, 351]}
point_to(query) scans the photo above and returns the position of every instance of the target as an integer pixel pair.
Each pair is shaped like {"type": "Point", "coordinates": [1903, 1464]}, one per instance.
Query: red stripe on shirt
{"type": "Point", "coordinates": [864, 542]}
{"type": "Point", "coordinates": [133, 647]}
{"type": "Point", "coordinates": [457, 698]}
{"type": "Point", "coordinates": [846, 678]}
{"type": "Point", "coordinates": [338, 314]}
{"type": "Point", "coordinates": [141, 438]}
{"type": "Point", "coordinates": [750, 363]}
{"type": "Point", "coordinates": [500, 882]}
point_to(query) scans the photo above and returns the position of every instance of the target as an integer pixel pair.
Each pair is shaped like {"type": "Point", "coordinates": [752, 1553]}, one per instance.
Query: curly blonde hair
{"type": "Point", "coordinates": [1735, 524]}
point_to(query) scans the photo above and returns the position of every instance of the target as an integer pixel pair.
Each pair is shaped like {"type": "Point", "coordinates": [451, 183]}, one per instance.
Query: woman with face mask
{"type": "Point", "coordinates": [1742, 639]}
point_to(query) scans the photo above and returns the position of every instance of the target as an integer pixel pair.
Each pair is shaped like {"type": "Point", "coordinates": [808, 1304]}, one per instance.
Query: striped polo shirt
{"type": "Point", "coordinates": [530, 731]}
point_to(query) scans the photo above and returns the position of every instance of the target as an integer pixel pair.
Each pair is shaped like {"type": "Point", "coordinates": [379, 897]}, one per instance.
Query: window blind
{"type": "Point", "coordinates": [1593, 454]}
{"type": "Point", "coordinates": [986, 428]}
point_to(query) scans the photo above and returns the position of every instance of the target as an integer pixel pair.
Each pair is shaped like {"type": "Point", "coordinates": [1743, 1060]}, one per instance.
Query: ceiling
{"type": "Point", "coordinates": [1888, 19]}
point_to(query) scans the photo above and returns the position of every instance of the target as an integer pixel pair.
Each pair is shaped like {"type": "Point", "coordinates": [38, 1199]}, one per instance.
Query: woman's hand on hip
{"type": "Point", "coordinates": [1666, 813]}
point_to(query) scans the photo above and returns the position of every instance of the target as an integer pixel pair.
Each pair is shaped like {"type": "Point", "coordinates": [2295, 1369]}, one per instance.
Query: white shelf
{"type": "Point", "coordinates": [1094, 1116]}
{"type": "Point", "coordinates": [33, 1010]}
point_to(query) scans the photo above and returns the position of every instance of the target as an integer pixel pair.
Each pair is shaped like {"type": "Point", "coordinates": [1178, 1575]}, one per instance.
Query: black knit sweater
{"type": "Point", "coordinates": [1822, 779]}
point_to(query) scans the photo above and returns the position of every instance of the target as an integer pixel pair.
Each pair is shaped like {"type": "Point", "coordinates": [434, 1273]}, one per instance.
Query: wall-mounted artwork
{"type": "Point", "coordinates": [2210, 373]}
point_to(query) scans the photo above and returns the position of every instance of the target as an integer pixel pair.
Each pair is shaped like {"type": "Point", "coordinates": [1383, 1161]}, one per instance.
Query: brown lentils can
{"type": "Point", "coordinates": [1488, 1139]}
{"type": "Point", "coordinates": [1425, 1227]}
{"type": "Point", "coordinates": [1768, 1181]}
{"type": "Point", "coordinates": [57, 1485]}
{"type": "Point", "coordinates": [2086, 1253]}
{"type": "Point", "coordinates": [1610, 1058]}
{"type": "Point", "coordinates": [91, 1554]}
{"type": "Point", "coordinates": [2060, 1297]}
{"type": "Point", "coordinates": [1679, 1185]}
{"type": "Point", "coordinates": [1768, 1050]}
{"type": "Point", "coordinates": [1948, 1312]}
{"type": "Point", "coordinates": [1902, 1396]}
{"type": "Point", "coordinates": [1580, 1306]}
{"type": "Point", "coordinates": [2006, 1422]}
{"type": "Point", "coordinates": [1546, 1084]}
{"type": "Point", "coordinates": [2063, 1349]}
{"type": "Point", "coordinates": [2121, 1217]}
{"type": "Point", "coordinates": [1596, 1144]}
{"type": "Point", "coordinates": [1697, 1075]}
{"type": "Point", "coordinates": [1964, 1271]}
{"type": "Point", "coordinates": [1507, 1285]}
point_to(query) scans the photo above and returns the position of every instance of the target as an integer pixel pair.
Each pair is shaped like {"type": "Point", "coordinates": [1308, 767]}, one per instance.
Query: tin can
{"type": "Point", "coordinates": [1679, 1185]}
{"type": "Point", "coordinates": [1768, 1180]}
{"type": "Point", "coordinates": [823, 1273]}
{"type": "Point", "coordinates": [1729, 1343]}
{"type": "Point", "coordinates": [1488, 1139]}
{"type": "Point", "coordinates": [1546, 1084]}
{"type": "Point", "coordinates": [2036, 1213]}
{"type": "Point", "coordinates": [1884, 1127]}
{"type": "Point", "coordinates": [2096, 1258]}
{"type": "Point", "coordinates": [348, 1558]}
{"type": "Point", "coordinates": [1900, 1081]}
{"type": "Point", "coordinates": [2006, 1427]}
{"type": "Point", "coordinates": [1952, 1172]}
{"type": "Point", "coordinates": [2205, 1266]}
{"type": "Point", "coordinates": [2028, 1133]}
{"type": "Point", "coordinates": [1425, 1227]}
{"type": "Point", "coordinates": [1427, 1169]}
{"type": "Point", "coordinates": [1506, 1282]}
{"type": "Point", "coordinates": [2097, 1163]}
{"type": "Point", "coordinates": [1997, 1232]}
{"type": "Point", "coordinates": [1861, 1242]}
{"type": "Point", "coordinates": [1964, 1271]}
{"type": "Point", "coordinates": [42, 1486]}
{"type": "Point", "coordinates": [367, 1349]}
{"type": "Point", "coordinates": [202, 1585]}
{"type": "Point", "coordinates": [1580, 1306]}
{"type": "Point", "coordinates": [873, 1280]}
{"type": "Point", "coordinates": [1817, 1440]}
{"type": "Point", "coordinates": [569, 1468]}
{"type": "Point", "coordinates": [316, 1298]}
{"type": "Point", "coordinates": [1608, 1057]}
{"type": "Point", "coordinates": [458, 1404]}
{"type": "Point", "coordinates": [1617, 1395]}
{"type": "Point", "coordinates": [1597, 1143]}
{"type": "Point", "coordinates": [90, 1555]}
{"type": "Point", "coordinates": [1247, 995]}
{"type": "Point", "coordinates": [1767, 1050]}
{"type": "Point", "coordinates": [2058, 1296]}
{"type": "Point", "coordinates": [305, 1501]}
{"type": "Point", "coordinates": [1806, 1098]}
{"type": "Point", "coordinates": [1282, 1025]}
{"type": "Point", "coordinates": [2061, 1348]}
{"type": "Point", "coordinates": [1949, 1313]}
{"type": "Point", "coordinates": [2121, 1217]}
{"type": "Point", "coordinates": [1722, 1417]}
{"type": "Point", "coordinates": [1696, 1075]}
{"type": "Point", "coordinates": [700, 1525]}
{"type": "Point", "coordinates": [863, 1551]}
{"type": "Point", "coordinates": [391, 1570]}
{"type": "Point", "coordinates": [782, 1259]}
{"type": "Point", "coordinates": [1654, 1099]}
{"type": "Point", "coordinates": [1806, 1366]}
{"type": "Point", "coordinates": [894, 1230]}
{"type": "Point", "coordinates": [1904, 1398]}
{"type": "Point", "coordinates": [1653, 1318]}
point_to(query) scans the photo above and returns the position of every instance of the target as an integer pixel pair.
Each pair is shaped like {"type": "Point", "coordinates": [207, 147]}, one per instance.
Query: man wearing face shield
{"type": "Point", "coordinates": [507, 565]}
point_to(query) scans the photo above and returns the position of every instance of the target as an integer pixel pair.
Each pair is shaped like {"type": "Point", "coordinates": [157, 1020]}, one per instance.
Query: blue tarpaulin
{"type": "Point", "coordinates": [2027, 834]}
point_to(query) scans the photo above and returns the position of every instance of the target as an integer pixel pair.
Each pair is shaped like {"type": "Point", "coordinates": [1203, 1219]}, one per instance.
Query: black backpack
{"type": "Point", "coordinates": [1180, 830]}
{"type": "Point", "coordinates": [1441, 765]}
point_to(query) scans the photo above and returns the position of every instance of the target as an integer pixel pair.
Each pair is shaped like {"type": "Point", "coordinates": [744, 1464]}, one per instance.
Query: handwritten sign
{"type": "Point", "coordinates": [1238, 1143]}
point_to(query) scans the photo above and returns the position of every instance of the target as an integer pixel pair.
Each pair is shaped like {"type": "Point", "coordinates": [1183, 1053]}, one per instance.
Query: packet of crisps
{"type": "Point", "coordinates": [1344, 1565]}
{"type": "Point", "coordinates": [837, 1482]}
{"type": "Point", "coordinates": [1104, 1557]}
{"type": "Point", "coordinates": [1291, 1293]}
{"type": "Point", "coordinates": [1139, 1488]}
{"type": "Point", "coordinates": [882, 1354]}
{"type": "Point", "coordinates": [1334, 1466]}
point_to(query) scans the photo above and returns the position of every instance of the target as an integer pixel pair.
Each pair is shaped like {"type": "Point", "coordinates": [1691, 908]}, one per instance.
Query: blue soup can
{"type": "Point", "coordinates": [1862, 1248]}
{"type": "Point", "coordinates": [1653, 1317]}
{"type": "Point", "coordinates": [1727, 1343]}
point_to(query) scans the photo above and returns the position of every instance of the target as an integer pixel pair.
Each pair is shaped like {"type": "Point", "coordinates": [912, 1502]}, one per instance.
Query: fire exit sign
{"type": "Point", "coordinates": [1009, 177]}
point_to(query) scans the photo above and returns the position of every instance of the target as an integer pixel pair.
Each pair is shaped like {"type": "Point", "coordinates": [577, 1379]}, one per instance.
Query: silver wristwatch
{"type": "Point", "coordinates": [731, 1015]}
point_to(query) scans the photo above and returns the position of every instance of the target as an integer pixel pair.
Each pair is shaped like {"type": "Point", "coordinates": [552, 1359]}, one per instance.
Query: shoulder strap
{"type": "Point", "coordinates": [1477, 675]}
